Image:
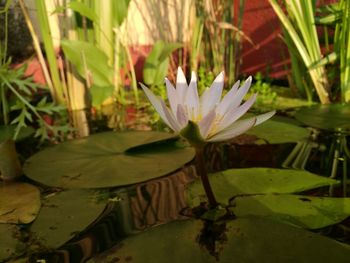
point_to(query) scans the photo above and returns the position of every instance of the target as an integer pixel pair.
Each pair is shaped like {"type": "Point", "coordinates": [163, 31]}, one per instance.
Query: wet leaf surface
{"type": "Point", "coordinates": [10, 166]}
{"type": "Point", "coordinates": [108, 159]}
{"type": "Point", "coordinates": [247, 240]}
{"type": "Point", "coordinates": [233, 182]}
{"type": "Point", "coordinates": [10, 246]}
{"type": "Point", "coordinates": [65, 214]}
{"type": "Point", "coordinates": [327, 117]}
{"type": "Point", "coordinates": [20, 203]}
{"type": "Point", "coordinates": [276, 132]}
{"type": "Point", "coordinates": [303, 211]}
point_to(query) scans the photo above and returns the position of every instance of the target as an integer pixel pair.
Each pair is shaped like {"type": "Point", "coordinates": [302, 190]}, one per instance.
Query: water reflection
{"type": "Point", "coordinates": [142, 206]}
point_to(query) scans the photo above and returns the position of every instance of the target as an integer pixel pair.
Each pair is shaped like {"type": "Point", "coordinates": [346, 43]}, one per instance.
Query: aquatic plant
{"type": "Point", "coordinates": [206, 119]}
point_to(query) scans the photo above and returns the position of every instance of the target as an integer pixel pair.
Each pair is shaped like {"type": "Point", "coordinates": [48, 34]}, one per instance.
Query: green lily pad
{"type": "Point", "coordinates": [20, 203]}
{"type": "Point", "coordinates": [233, 182]}
{"type": "Point", "coordinates": [10, 166]}
{"type": "Point", "coordinates": [328, 117]}
{"type": "Point", "coordinates": [108, 159]}
{"type": "Point", "coordinates": [264, 241]}
{"type": "Point", "coordinates": [277, 132]}
{"type": "Point", "coordinates": [7, 132]}
{"type": "Point", "coordinates": [65, 214]}
{"type": "Point", "coordinates": [303, 211]}
{"type": "Point", "coordinates": [10, 246]}
{"type": "Point", "coordinates": [248, 240]}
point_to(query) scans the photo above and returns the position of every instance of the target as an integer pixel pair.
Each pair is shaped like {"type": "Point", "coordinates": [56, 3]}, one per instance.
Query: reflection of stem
{"type": "Point", "coordinates": [202, 171]}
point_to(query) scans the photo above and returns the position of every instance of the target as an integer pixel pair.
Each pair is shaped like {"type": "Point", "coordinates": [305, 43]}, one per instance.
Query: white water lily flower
{"type": "Point", "coordinates": [212, 119]}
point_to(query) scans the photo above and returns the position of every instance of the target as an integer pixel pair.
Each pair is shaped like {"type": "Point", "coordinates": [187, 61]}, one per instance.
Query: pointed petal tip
{"type": "Point", "coordinates": [193, 76]}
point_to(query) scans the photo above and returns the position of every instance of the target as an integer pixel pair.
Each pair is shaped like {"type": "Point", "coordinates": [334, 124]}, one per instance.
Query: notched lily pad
{"type": "Point", "coordinates": [108, 159]}
{"type": "Point", "coordinates": [234, 182]}
{"type": "Point", "coordinates": [65, 214]}
{"type": "Point", "coordinates": [303, 211]}
{"type": "Point", "coordinates": [20, 203]}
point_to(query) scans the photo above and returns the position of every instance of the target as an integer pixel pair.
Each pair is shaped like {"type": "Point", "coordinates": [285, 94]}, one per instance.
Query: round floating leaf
{"type": "Point", "coordinates": [276, 132]}
{"type": "Point", "coordinates": [248, 240]}
{"type": "Point", "coordinates": [65, 214]}
{"type": "Point", "coordinates": [20, 203]}
{"type": "Point", "coordinates": [7, 132]}
{"type": "Point", "coordinates": [304, 211]}
{"type": "Point", "coordinates": [108, 159]}
{"type": "Point", "coordinates": [328, 117]}
{"type": "Point", "coordinates": [10, 246]}
{"type": "Point", "coordinates": [265, 241]}
{"type": "Point", "coordinates": [233, 182]}
{"type": "Point", "coordinates": [177, 239]}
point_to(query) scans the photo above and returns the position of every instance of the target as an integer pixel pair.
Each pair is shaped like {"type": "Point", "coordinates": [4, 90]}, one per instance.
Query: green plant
{"type": "Point", "coordinates": [264, 89]}
{"type": "Point", "coordinates": [17, 94]}
{"type": "Point", "coordinates": [157, 64]}
{"type": "Point", "coordinates": [216, 38]}
{"type": "Point", "coordinates": [303, 44]}
{"type": "Point", "coordinates": [336, 17]}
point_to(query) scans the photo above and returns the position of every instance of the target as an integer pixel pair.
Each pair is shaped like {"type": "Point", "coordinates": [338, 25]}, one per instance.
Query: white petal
{"type": "Point", "coordinates": [211, 97]}
{"type": "Point", "coordinates": [206, 123]}
{"type": "Point", "coordinates": [224, 105]}
{"type": "Point", "coordinates": [235, 113]}
{"type": "Point", "coordinates": [237, 128]}
{"type": "Point", "coordinates": [181, 116]}
{"type": "Point", "coordinates": [172, 96]}
{"type": "Point", "coordinates": [192, 99]}
{"type": "Point", "coordinates": [181, 85]}
{"type": "Point", "coordinates": [157, 103]}
{"type": "Point", "coordinates": [264, 117]}
{"type": "Point", "coordinates": [241, 93]}
{"type": "Point", "coordinates": [173, 124]}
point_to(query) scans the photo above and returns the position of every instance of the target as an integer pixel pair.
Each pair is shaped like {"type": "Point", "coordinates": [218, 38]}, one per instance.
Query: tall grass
{"type": "Point", "coordinates": [301, 33]}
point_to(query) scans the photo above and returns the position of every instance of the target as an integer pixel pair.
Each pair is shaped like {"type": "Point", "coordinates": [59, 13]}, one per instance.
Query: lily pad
{"type": "Point", "coordinates": [234, 182]}
{"type": "Point", "coordinates": [108, 159]}
{"type": "Point", "coordinates": [20, 203]}
{"type": "Point", "coordinates": [277, 132]}
{"type": "Point", "coordinates": [65, 214]}
{"type": "Point", "coordinates": [248, 240]}
{"type": "Point", "coordinates": [10, 166]}
{"type": "Point", "coordinates": [328, 117]}
{"type": "Point", "coordinates": [303, 211]}
{"type": "Point", "coordinates": [10, 245]}
{"type": "Point", "coordinates": [7, 132]}
{"type": "Point", "coordinates": [264, 241]}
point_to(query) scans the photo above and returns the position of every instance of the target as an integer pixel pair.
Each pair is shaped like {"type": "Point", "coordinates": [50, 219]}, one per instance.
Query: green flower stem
{"type": "Point", "coordinates": [202, 172]}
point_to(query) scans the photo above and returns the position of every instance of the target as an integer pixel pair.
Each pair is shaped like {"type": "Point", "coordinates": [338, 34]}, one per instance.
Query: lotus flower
{"type": "Point", "coordinates": [206, 118]}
